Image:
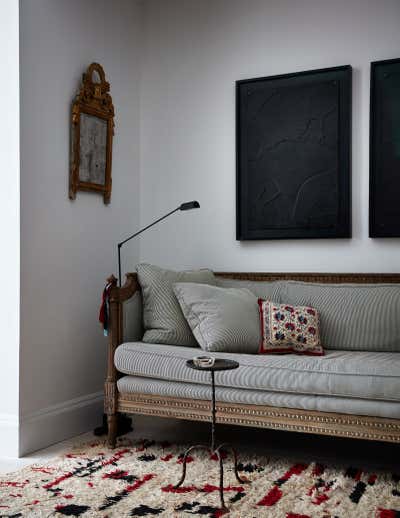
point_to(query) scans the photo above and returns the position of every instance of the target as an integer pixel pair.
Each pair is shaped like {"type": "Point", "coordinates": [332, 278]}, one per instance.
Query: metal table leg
{"type": "Point", "coordinates": [235, 458]}
{"type": "Point", "coordinates": [213, 450]}
{"type": "Point", "coordinates": [185, 456]}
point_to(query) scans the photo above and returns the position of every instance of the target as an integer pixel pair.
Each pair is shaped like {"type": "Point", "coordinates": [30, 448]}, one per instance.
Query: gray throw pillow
{"type": "Point", "coordinates": [163, 319]}
{"type": "Point", "coordinates": [222, 319]}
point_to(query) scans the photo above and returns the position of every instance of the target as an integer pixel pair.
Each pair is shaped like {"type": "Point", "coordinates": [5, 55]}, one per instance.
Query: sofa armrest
{"type": "Point", "coordinates": [118, 295]}
{"type": "Point", "coordinates": [125, 292]}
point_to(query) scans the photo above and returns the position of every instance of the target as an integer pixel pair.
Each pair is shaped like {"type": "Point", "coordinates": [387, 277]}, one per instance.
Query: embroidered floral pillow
{"type": "Point", "coordinates": [287, 329]}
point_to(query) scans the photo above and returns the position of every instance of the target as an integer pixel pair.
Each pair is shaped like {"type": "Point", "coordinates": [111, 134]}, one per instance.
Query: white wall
{"type": "Point", "coordinates": [9, 227]}
{"type": "Point", "coordinates": [68, 247]}
{"type": "Point", "coordinates": [195, 51]}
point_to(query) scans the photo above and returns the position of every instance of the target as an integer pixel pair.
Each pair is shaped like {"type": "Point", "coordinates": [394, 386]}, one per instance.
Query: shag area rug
{"type": "Point", "coordinates": [136, 479]}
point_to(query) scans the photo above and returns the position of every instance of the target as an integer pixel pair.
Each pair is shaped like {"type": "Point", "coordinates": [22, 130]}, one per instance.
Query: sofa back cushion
{"type": "Point", "coordinates": [261, 289]}
{"type": "Point", "coordinates": [222, 319]}
{"type": "Point", "coordinates": [163, 319]}
{"type": "Point", "coordinates": [358, 317]}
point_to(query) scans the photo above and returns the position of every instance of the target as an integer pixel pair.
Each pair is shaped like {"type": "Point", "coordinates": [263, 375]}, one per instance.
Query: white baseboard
{"type": "Point", "coordinates": [9, 443]}
{"type": "Point", "coordinates": [61, 421]}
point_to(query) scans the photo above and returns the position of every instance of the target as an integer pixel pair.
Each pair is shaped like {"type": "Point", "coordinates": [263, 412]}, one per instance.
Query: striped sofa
{"type": "Point", "coordinates": [352, 391]}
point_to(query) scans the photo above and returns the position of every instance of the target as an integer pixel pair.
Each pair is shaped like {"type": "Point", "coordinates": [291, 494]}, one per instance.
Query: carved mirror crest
{"type": "Point", "coordinates": [92, 135]}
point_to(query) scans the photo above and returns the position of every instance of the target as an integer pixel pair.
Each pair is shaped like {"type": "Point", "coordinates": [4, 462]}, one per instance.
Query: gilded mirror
{"type": "Point", "coordinates": [92, 135]}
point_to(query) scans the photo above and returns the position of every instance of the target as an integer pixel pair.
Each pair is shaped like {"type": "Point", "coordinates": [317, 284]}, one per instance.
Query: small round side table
{"type": "Point", "coordinates": [220, 364]}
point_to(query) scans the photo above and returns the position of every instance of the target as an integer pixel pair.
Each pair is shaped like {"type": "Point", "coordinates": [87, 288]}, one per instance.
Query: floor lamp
{"type": "Point", "coordinates": [125, 422]}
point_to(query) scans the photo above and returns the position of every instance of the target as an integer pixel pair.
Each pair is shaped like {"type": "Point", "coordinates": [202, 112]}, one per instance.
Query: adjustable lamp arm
{"type": "Point", "coordinates": [136, 234]}
{"type": "Point", "coordinates": [184, 206]}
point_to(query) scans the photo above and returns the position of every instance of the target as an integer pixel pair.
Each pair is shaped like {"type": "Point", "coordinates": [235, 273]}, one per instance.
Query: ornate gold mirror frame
{"type": "Point", "coordinates": [92, 135]}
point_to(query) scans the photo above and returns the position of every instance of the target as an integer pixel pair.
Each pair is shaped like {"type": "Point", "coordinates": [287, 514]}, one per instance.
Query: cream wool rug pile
{"type": "Point", "coordinates": [136, 479]}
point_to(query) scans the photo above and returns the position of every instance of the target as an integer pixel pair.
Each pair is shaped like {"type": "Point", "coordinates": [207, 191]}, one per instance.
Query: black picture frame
{"type": "Point", "coordinates": [312, 197]}
{"type": "Point", "coordinates": [384, 187]}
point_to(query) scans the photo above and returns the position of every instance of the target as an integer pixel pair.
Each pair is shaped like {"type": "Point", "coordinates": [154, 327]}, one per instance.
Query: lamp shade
{"type": "Point", "coordinates": [189, 205]}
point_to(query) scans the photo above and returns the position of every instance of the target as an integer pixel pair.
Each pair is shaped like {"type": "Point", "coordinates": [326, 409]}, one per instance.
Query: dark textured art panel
{"type": "Point", "coordinates": [293, 147]}
{"type": "Point", "coordinates": [385, 149]}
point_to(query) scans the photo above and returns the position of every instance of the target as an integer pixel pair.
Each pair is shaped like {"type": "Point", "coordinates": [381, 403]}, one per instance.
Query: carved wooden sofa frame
{"type": "Point", "coordinates": [261, 416]}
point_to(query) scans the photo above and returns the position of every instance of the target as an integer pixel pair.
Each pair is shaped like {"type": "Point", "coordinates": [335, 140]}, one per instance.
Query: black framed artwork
{"type": "Point", "coordinates": [384, 207]}
{"type": "Point", "coordinates": [293, 135]}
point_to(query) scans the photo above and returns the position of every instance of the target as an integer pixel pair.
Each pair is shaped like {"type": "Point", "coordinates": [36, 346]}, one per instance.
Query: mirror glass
{"type": "Point", "coordinates": [93, 149]}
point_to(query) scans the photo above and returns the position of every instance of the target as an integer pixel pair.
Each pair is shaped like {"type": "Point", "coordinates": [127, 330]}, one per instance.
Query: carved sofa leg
{"type": "Point", "coordinates": [112, 430]}
{"type": "Point", "coordinates": [110, 408]}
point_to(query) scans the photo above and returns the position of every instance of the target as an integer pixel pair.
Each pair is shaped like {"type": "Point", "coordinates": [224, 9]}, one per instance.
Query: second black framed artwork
{"type": "Point", "coordinates": [293, 141]}
{"type": "Point", "coordinates": [384, 191]}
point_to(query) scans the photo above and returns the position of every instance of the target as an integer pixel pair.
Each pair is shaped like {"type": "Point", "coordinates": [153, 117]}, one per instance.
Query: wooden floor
{"type": "Point", "coordinates": [296, 446]}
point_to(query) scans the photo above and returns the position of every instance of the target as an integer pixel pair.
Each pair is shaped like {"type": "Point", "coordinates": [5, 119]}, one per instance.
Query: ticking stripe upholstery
{"type": "Point", "coordinates": [353, 316]}
{"type": "Point", "coordinates": [133, 318]}
{"type": "Point", "coordinates": [261, 289]}
{"type": "Point", "coordinates": [370, 407]}
{"type": "Point", "coordinates": [365, 375]}
{"type": "Point", "coordinates": [221, 319]}
{"type": "Point", "coordinates": [162, 316]}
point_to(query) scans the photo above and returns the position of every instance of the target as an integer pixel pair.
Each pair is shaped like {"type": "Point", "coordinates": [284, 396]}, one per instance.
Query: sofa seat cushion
{"type": "Point", "coordinates": [356, 374]}
{"type": "Point", "coordinates": [341, 405]}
